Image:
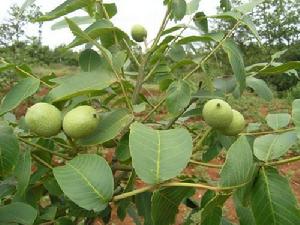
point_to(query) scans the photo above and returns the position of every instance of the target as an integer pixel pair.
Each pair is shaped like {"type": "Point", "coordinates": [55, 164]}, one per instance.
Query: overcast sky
{"type": "Point", "coordinates": [146, 12]}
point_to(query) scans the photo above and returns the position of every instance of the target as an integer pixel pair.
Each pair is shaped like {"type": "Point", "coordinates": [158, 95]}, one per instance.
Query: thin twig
{"type": "Point", "coordinates": [41, 161]}
{"type": "Point", "coordinates": [199, 144]}
{"type": "Point", "coordinates": [173, 121]}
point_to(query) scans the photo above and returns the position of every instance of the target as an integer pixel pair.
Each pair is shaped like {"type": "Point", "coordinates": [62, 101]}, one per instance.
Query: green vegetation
{"type": "Point", "coordinates": [130, 131]}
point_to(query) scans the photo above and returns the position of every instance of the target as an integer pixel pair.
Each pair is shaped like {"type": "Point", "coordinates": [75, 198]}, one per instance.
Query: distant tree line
{"type": "Point", "coordinates": [17, 46]}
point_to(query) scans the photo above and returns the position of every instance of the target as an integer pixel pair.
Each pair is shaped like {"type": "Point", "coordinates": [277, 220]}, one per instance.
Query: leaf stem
{"type": "Point", "coordinates": [173, 121]}
{"type": "Point", "coordinates": [284, 161]}
{"type": "Point", "coordinates": [175, 184]}
{"type": "Point", "coordinates": [41, 161]}
{"type": "Point", "coordinates": [135, 60]}
{"type": "Point", "coordinates": [206, 164]}
{"type": "Point", "coordinates": [43, 148]}
{"type": "Point", "coordinates": [141, 75]}
{"type": "Point", "coordinates": [132, 193]}
{"type": "Point", "coordinates": [268, 132]}
{"type": "Point", "coordinates": [28, 74]}
{"type": "Point", "coordinates": [213, 51]}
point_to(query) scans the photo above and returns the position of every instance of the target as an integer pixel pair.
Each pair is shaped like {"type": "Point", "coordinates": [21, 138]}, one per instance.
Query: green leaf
{"type": "Point", "coordinates": [296, 112]}
{"type": "Point", "coordinates": [237, 16]}
{"type": "Point", "coordinates": [102, 29]}
{"type": "Point", "coordinates": [87, 180]}
{"type": "Point", "coordinates": [248, 7]}
{"type": "Point", "coordinates": [172, 29]}
{"type": "Point", "coordinates": [260, 87]}
{"type": "Point", "coordinates": [110, 8]}
{"type": "Point", "coordinates": [159, 155]}
{"type": "Point", "coordinates": [278, 120]}
{"type": "Point", "coordinates": [179, 8]}
{"type": "Point", "coordinates": [111, 124]}
{"type": "Point", "coordinates": [178, 96]}
{"type": "Point", "coordinates": [212, 200]}
{"type": "Point", "coordinates": [119, 59]}
{"type": "Point", "coordinates": [6, 66]}
{"type": "Point", "coordinates": [253, 127]}
{"type": "Point", "coordinates": [9, 149]}
{"type": "Point", "coordinates": [282, 68]}
{"type": "Point", "coordinates": [17, 212]}
{"type": "Point", "coordinates": [210, 211]}
{"type": "Point", "coordinates": [272, 146]}
{"type": "Point", "coordinates": [49, 213]}
{"type": "Point", "coordinates": [225, 84]}
{"type": "Point", "coordinates": [143, 205]}
{"type": "Point", "coordinates": [177, 53]}
{"type": "Point", "coordinates": [122, 150]}
{"type": "Point", "coordinates": [23, 172]}
{"type": "Point", "coordinates": [272, 200]}
{"type": "Point", "coordinates": [192, 7]}
{"type": "Point", "coordinates": [90, 60]}
{"type": "Point", "coordinates": [80, 20]}
{"type": "Point", "coordinates": [22, 90]}
{"type": "Point", "coordinates": [201, 22]}
{"type": "Point", "coordinates": [217, 37]}
{"type": "Point", "coordinates": [165, 204]}
{"type": "Point", "coordinates": [238, 167]}
{"type": "Point", "coordinates": [244, 214]}
{"type": "Point", "coordinates": [237, 63]}
{"type": "Point", "coordinates": [64, 9]}
{"type": "Point", "coordinates": [81, 84]}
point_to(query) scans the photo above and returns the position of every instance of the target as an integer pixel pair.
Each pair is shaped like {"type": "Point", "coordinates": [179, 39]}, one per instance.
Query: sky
{"type": "Point", "coordinates": [148, 13]}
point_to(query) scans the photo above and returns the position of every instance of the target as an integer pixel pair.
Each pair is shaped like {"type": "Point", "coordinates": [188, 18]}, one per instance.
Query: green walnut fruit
{"type": "Point", "coordinates": [80, 121]}
{"type": "Point", "coordinates": [43, 119]}
{"type": "Point", "coordinates": [217, 113]}
{"type": "Point", "coordinates": [236, 126]}
{"type": "Point", "coordinates": [138, 33]}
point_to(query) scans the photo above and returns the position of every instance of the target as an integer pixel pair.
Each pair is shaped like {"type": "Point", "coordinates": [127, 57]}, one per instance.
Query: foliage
{"type": "Point", "coordinates": [65, 180]}
{"type": "Point", "coordinates": [13, 29]}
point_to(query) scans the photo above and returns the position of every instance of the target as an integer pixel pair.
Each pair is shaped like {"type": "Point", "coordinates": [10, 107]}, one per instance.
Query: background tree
{"type": "Point", "coordinates": [12, 30]}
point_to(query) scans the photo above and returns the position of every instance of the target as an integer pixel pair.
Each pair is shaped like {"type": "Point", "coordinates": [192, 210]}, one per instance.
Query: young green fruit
{"type": "Point", "coordinates": [217, 113]}
{"type": "Point", "coordinates": [80, 121]}
{"type": "Point", "coordinates": [43, 119]}
{"type": "Point", "coordinates": [236, 126]}
{"type": "Point", "coordinates": [138, 33]}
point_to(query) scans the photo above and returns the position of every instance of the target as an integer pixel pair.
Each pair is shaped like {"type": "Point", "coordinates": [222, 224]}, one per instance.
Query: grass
{"type": "Point", "coordinates": [57, 69]}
